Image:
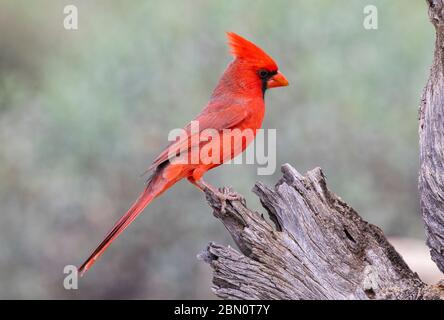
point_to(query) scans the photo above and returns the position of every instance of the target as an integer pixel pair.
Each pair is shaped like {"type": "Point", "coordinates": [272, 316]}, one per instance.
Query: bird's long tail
{"type": "Point", "coordinates": [154, 188]}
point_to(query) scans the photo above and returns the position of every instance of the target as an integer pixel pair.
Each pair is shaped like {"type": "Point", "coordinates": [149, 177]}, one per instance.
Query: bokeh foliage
{"type": "Point", "coordinates": [82, 114]}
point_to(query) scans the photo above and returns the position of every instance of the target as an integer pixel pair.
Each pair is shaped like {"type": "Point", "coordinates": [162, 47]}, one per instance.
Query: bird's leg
{"type": "Point", "coordinates": [222, 194]}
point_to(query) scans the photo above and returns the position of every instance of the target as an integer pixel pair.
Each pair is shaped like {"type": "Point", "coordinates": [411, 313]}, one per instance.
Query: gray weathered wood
{"type": "Point", "coordinates": [431, 133]}
{"type": "Point", "coordinates": [319, 248]}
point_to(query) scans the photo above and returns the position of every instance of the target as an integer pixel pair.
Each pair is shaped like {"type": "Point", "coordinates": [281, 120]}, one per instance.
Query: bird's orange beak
{"type": "Point", "coordinates": [278, 80]}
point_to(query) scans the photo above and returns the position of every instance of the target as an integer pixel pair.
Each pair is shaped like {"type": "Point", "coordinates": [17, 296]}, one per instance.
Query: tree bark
{"type": "Point", "coordinates": [319, 247]}
{"type": "Point", "coordinates": [431, 133]}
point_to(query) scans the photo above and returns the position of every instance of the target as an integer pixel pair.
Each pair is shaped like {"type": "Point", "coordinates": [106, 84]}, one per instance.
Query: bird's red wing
{"type": "Point", "coordinates": [224, 117]}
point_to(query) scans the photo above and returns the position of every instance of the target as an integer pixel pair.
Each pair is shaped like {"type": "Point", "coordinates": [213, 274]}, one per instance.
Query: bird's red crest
{"type": "Point", "coordinates": [246, 50]}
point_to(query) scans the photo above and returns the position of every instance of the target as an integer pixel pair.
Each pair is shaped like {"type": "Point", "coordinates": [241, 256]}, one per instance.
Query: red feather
{"type": "Point", "coordinates": [236, 103]}
{"type": "Point", "coordinates": [246, 50]}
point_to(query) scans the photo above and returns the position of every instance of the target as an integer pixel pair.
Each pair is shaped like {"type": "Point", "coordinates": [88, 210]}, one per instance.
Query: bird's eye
{"type": "Point", "coordinates": [263, 74]}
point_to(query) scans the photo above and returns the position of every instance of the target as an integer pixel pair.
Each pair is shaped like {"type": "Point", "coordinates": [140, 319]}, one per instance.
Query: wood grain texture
{"type": "Point", "coordinates": [318, 248]}
{"type": "Point", "coordinates": [431, 134]}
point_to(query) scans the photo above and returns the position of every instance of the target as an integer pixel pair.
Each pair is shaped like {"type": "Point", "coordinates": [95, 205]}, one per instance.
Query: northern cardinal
{"type": "Point", "coordinates": [237, 102]}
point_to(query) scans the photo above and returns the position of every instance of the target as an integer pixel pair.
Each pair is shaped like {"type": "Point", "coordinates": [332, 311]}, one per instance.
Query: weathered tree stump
{"type": "Point", "coordinates": [319, 247]}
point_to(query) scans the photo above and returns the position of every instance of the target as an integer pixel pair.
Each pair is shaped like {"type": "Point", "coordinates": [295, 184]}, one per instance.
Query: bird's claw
{"type": "Point", "coordinates": [226, 194]}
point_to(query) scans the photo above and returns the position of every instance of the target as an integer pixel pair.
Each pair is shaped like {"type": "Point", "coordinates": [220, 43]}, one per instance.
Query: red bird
{"type": "Point", "coordinates": [236, 103]}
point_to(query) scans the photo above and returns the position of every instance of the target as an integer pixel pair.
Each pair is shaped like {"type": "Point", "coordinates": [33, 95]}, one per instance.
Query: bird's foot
{"type": "Point", "coordinates": [226, 194]}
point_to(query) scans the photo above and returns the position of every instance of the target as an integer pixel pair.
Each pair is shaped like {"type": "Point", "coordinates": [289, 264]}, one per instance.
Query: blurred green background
{"type": "Point", "coordinates": [83, 113]}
